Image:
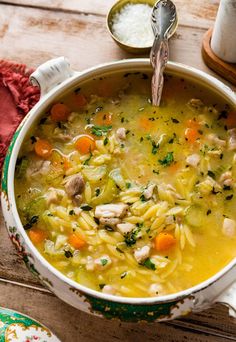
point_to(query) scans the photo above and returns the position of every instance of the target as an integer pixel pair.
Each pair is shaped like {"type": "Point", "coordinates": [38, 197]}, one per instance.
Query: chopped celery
{"type": "Point", "coordinates": [21, 166]}
{"type": "Point", "coordinates": [94, 173]}
{"type": "Point", "coordinates": [195, 216]}
{"type": "Point", "coordinates": [108, 193]}
{"type": "Point", "coordinates": [118, 178]}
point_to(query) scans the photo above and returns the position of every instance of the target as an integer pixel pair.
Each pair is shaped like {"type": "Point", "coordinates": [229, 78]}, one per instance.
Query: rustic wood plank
{"type": "Point", "coordinates": [41, 35]}
{"type": "Point", "coordinates": [194, 13]}
{"type": "Point", "coordinates": [78, 326]}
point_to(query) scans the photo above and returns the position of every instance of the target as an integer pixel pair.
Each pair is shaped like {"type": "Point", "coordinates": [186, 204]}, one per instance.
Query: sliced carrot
{"type": "Point", "coordinates": [164, 241]}
{"type": "Point", "coordinates": [37, 235]}
{"type": "Point", "coordinates": [85, 144]}
{"type": "Point", "coordinates": [145, 124]}
{"type": "Point", "coordinates": [230, 121]}
{"type": "Point", "coordinates": [76, 241]}
{"type": "Point", "coordinates": [43, 148]}
{"type": "Point", "coordinates": [60, 112]}
{"type": "Point", "coordinates": [103, 119]}
{"type": "Point", "coordinates": [191, 135]}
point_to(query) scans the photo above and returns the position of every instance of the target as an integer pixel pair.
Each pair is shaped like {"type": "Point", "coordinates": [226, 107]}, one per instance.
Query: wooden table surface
{"type": "Point", "coordinates": [33, 31]}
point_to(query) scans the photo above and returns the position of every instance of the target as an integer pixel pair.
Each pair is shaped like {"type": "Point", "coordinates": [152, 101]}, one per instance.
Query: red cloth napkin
{"type": "Point", "coordinates": [17, 97]}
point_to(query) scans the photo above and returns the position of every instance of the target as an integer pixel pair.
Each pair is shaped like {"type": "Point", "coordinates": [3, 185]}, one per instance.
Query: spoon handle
{"type": "Point", "coordinates": [159, 57]}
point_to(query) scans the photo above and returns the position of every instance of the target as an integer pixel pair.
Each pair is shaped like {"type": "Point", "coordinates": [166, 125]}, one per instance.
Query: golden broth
{"type": "Point", "coordinates": [170, 170]}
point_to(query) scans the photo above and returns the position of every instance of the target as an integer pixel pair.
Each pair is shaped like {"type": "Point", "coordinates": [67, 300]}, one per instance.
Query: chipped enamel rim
{"type": "Point", "coordinates": [143, 65]}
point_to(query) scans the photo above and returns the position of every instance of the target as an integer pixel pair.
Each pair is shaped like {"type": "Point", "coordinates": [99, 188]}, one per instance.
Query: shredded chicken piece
{"type": "Point", "coordinates": [142, 253]}
{"type": "Point", "coordinates": [111, 210]}
{"type": "Point", "coordinates": [108, 289]}
{"type": "Point", "coordinates": [121, 133]}
{"type": "Point", "coordinates": [148, 192]}
{"type": "Point", "coordinates": [229, 227]}
{"type": "Point", "coordinates": [232, 139]}
{"type": "Point", "coordinates": [216, 140]}
{"type": "Point", "coordinates": [193, 160]}
{"type": "Point", "coordinates": [54, 195]}
{"type": "Point", "coordinates": [38, 168]}
{"type": "Point", "coordinates": [196, 103]}
{"type": "Point", "coordinates": [125, 228]}
{"type": "Point", "coordinates": [75, 185]}
{"type": "Point", "coordinates": [103, 262]}
{"type": "Point", "coordinates": [226, 178]}
{"type": "Point", "coordinates": [90, 264]}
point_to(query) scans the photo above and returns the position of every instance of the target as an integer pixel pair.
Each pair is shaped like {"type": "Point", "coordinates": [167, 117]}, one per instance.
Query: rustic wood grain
{"type": "Point", "coordinates": [72, 325]}
{"type": "Point", "coordinates": [33, 36]}
{"type": "Point", "coordinates": [192, 13]}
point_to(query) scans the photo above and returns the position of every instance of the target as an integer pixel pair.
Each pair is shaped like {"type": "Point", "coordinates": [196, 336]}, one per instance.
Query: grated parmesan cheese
{"type": "Point", "coordinates": [132, 25]}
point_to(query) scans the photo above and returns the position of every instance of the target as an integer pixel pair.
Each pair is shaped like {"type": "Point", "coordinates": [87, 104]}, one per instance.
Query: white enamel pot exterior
{"type": "Point", "coordinates": [55, 78]}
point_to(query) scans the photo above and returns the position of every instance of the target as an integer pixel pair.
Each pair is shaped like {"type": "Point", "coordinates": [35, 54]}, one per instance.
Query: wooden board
{"type": "Point", "coordinates": [224, 69]}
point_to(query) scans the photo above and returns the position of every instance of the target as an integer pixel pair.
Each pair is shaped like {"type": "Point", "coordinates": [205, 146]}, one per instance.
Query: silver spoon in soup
{"type": "Point", "coordinates": [164, 24]}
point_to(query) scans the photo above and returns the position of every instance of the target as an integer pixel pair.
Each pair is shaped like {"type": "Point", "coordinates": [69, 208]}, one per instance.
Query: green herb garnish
{"type": "Point", "coordinates": [211, 174]}
{"type": "Point", "coordinates": [86, 207]}
{"type": "Point", "coordinates": [101, 286]}
{"type": "Point", "coordinates": [169, 158]}
{"type": "Point", "coordinates": [100, 130]}
{"type": "Point", "coordinates": [131, 237]}
{"type": "Point", "coordinates": [32, 221]}
{"type": "Point", "coordinates": [105, 142]}
{"type": "Point", "coordinates": [87, 160]}
{"type": "Point", "coordinates": [71, 212]}
{"type": "Point", "coordinates": [68, 254]}
{"type": "Point", "coordinates": [104, 262]}
{"type": "Point", "coordinates": [149, 264]}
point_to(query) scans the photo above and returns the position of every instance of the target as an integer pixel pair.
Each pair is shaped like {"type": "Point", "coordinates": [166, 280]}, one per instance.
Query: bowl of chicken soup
{"type": "Point", "coordinates": [120, 208]}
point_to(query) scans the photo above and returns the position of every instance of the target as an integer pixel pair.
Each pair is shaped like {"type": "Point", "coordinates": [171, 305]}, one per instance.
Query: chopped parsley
{"type": "Point", "coordinates": [143, 198]}
{"type": "Point", "coordinates": [33, 139]}
{"type": "Point", "coordinates": [86, 207]}
{"type": "Point", "coordinates": [227, 187]}
{"type": "Point", "coordinates": [32, 221]}
{"type": "Point", "coordinates": [211, 174]}
{"type": "Point", "coordinates": [128, 185]}
{"type": "Point", "coordinates": [156, 172]}
{"type": "Point", "coordinates": [100, 130]}
{"type": "Point", "coordinates": [68, 254]}
{"type": "Point", "coordinates": [72, 212]}
{"type": "Point", "coordinates": [97, 191]}
{"type": "Point", "coordinates": [208, 212]}
{"type": "Point", "coordinates": [101, 286]}
{"type": "Point", "coordinates": [175, 120]}
{"type": "Point", "coordinates": [149, 264]}
{"type": "Point", "coordinates": [228, 198]}
{"type": "Point", "coordinates": [105, 142]}
{"type": "Point", "coordinates": [87, 160]}
{"type": "Point", "coordinates": [131, 237]}
{"type": "Point", "coordinates": [169, 158]}
{"type": "Point", "coordinates": [154, 147]}
{"type": "Point", "coordinates": [104, 262]}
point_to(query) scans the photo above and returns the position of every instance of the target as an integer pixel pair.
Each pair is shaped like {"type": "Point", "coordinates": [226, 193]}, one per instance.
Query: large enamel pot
{"type": "Point", "coordinates": [55, 78]}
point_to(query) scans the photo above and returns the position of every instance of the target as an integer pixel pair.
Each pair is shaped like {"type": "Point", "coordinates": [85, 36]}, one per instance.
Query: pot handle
{"type": "Point", "coordinates": [50, 74]}
{"type": "Point", "coordinates": [228, 298]}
